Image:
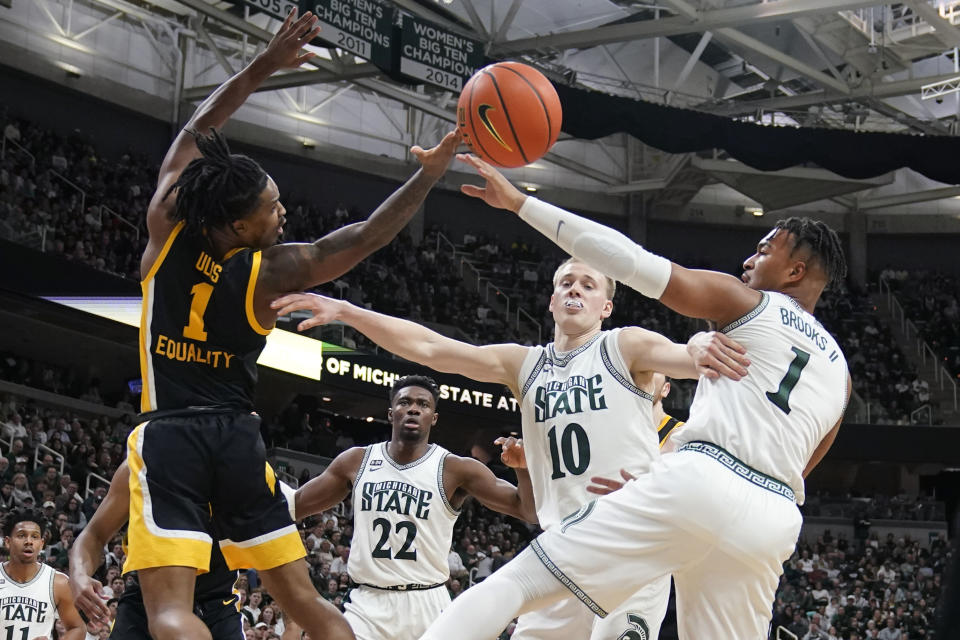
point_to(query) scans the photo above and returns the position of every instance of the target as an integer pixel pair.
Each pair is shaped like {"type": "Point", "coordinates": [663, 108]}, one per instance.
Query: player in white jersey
{"type": "Point", "coordinates": [720, 513]}
{"type": "Point", "coordinates": [32, 594]}
{"type": "Point", "coordinates": [585, 400]}
{"type": "Point", "coordinates": [407, 495]}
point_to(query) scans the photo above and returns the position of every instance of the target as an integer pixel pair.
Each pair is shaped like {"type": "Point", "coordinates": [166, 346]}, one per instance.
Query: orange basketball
{"type": "Point", "coordinates": [509, 114]}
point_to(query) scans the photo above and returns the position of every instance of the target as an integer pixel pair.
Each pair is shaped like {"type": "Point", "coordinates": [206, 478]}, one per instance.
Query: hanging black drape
{"type": "Point", "coordinates": [590, 115]}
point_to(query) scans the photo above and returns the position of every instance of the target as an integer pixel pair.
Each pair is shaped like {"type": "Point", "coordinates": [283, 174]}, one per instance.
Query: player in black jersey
{"type": "Point", "coordinates": [215, 601]}
{"type": "Point", "coordinates": [210, 270]}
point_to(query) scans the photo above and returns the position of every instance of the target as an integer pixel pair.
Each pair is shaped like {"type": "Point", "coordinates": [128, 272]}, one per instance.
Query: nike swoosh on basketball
{"type": "Point", "coordinates": [485, 119]}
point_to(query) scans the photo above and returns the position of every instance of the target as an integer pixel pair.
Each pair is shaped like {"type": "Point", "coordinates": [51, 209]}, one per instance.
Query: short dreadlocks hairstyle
{"type": "Point", "coordinates": [415, 381]}
{"type": "Point", "coordinates": [217, 188]}
{"type": "Point", "coordinates": [22, 515]}
{"type": "Point", "coordinates": [823, 243]}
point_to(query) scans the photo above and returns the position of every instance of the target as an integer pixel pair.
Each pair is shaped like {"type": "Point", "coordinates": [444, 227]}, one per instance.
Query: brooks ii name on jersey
{"type": "Point", "coordinates": [774, 418]}
{"type": "Point", "coordinates": [582, 417]}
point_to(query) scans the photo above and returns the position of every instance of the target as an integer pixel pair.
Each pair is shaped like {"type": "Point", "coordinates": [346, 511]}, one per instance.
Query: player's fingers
{"type": "Point", "coordinates": [730, 343]}
{"type": "Point", "coordinates": [473, 190]}
{"type": "Point", "coordinates": [309, 323]}
{"type": "Point", "coordinates": [290, 18]}
{"type": "Point", "coordinates": [706, 371]}
{"type": "Point", "coordinates": [301, 59]}
{"type": "Point", "coordinates": [286, 299]}
{"type": "Point", "coordinates": [310, 35]}
{"type": "Point", "coordinates": [607, 482]}
{"type": "Point", "coordinates": [626, 475]}
{"type": "Point", "coordinates": [500, 440]}
{"type": "Point", "coordinates": [728, 367]}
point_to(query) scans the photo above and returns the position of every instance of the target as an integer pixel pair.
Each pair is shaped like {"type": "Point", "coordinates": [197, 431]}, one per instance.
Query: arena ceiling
{"type": "Point", "coordinates": [845, 64]}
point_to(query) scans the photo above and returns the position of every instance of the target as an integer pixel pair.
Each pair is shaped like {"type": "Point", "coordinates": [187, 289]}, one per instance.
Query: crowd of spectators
{"type": "Point", "coordinates": [835, 588]}
{"type": "Point", "coordinates": [932, 301]}
{"type": "Point", "coordinates": [880, 371]}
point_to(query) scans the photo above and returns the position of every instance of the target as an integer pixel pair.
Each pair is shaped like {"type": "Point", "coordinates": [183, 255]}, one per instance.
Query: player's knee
{"type": "Point", "coordinates": [177, 625]}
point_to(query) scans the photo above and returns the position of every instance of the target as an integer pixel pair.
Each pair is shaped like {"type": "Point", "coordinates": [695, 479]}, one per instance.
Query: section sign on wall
{"type": "Point", "coordinates": [436, 55]}
{"type": "Point", "coordinates": [279, 9]}
{"type": "Point", "coordinates": [362, 27]}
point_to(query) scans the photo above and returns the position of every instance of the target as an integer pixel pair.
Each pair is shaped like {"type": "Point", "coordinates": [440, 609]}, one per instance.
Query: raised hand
{"type": "Point", "coordinates": [512, 453]}
{"type": "Point", "coordinates": [283, 51]}
{"type": "Point", "coordinates": [436, 160]}
{"type": "Point", "coordinates": [324, 309]}
{"type": "Point", "coordinates": [715, 354]}
{"type": "Point", "coordinates": [602, 486]}
{"type": "Point", "coordinates": [497, 191]}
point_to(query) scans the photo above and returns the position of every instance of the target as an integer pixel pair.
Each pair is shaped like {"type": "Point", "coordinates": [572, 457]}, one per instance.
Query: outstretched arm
{"type": "Point", "coordinates": [76, 630]}
{"type": "Point", "coordinates": [296, 266]}
{"type": "Point", "coordinates": [694, 293]}
{"type": "Point", "coordinates": [710, 354]}
{"type": "Point", "coordinates": [492, 363]}
{"type": "Point", "coordinates": [471, 477]}
{"type": "Point", "coordinates": [87, 552]}
{"type": "Point", "coordinates": [283, 52]}
{"type": "Point", "coordinates": [330, 487]}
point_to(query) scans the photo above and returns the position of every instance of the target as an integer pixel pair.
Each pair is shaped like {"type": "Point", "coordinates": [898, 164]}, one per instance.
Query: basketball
{"type": "Point", "coordinates": [509, 114]}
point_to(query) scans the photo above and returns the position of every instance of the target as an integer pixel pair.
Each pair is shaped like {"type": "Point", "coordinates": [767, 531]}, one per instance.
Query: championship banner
{"type": "Point", "coordinates": [362, 27]}
{"type": "Point", "coordinates": [278, 9]}
{"type": "Point", "coordinates": [433, 54]}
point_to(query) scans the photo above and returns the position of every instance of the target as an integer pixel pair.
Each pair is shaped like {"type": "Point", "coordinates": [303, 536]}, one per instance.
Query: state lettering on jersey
{"type": "Point", "coordinates": [796, 321]}
{"type": "Point", "coordinates": [22, 608]}
{"type": "Point", "coordinates": [574, 395]}
{"type": "Point", "coordinates": [208, 267]}
{"type": "Point", "coordinates": [399, 497]}
{"type": "Point", "coordinates": [184, 351]}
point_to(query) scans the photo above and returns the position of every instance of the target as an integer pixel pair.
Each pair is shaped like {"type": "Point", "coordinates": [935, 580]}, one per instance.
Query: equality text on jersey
{"type": "Point", "coordinates": [574, 395]}
{"type": "Point", "coordinates": [23, 608]}
{"type": "Point", "coordinates": [399, 497]}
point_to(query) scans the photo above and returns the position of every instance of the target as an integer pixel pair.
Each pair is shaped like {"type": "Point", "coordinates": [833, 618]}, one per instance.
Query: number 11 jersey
{"type": "Point", "coordinates": [582, 416]}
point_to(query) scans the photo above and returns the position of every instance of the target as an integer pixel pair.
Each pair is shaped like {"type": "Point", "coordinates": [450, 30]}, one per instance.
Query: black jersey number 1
{"type": "Point", "coordinates": [200, 293]}
{"type": "Point", "coordinates": [23, 633]}
{"type": "Point", "coordinates": [781, 397]}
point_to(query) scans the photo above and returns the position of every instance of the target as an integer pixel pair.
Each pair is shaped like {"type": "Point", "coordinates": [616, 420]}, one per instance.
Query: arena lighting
{"type": "Point", "coordinates": [326, 398]}
{"type": "Point", "coordinates": [67, 42]}
{"type": "Point", "coordinates": [369, 418]}
{"type": "Point", "coordinates": [285, 350]}
{"type": "Point", "coordinates": [756, 211]}
{"type": "Point", "coordinates": [530, 188]}
{"type": "Point", "coordinates": [73, 71]}
{"type": "Point", "coordinates": [304, 117]}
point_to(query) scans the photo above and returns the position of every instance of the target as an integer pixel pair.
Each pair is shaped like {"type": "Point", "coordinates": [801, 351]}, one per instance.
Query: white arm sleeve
{"type": "Point", "coordinates": [601, 247]}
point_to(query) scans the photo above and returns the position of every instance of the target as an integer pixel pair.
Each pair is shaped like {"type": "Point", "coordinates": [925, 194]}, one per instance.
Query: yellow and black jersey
{"type": "Point", "coordinates": [199, 337]}
{"type": "Point", "coordinates": [666, 427]}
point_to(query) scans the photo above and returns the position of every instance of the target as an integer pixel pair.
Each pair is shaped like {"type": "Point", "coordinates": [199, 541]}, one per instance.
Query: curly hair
{"type": "Point", "coordinates": [217, 188]}
{"type": "Point", "coordinates": [823, 243]}
{"type": "Point", "coordinates": [415, 381]}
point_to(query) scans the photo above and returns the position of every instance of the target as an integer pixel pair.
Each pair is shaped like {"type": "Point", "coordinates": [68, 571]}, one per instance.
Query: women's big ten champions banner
{"type": "Point", "coordinates": [397, 42]}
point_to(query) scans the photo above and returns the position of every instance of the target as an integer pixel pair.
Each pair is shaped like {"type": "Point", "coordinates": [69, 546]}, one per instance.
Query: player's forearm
{"type": "Point", "coordinates": [528, 507]}
{"type": "Point", "coordinates": [227, 98]}
{"type": "Point", "coordinates": [85, 556]}
{"type": "Point", "coordinates": [599, 246]}
{"type": "Point", "coordinates": [75, 633]}
{"type": "Point", "coordinates": [395, 212]}
{"type": "Point", "coordinates": [404, 338]}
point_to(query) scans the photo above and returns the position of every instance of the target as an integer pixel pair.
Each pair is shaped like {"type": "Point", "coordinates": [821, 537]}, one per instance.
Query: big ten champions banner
{"type": "Point", "coordinates": [436, 55]}
{"type": "Point", "coordinates": [373, 375]}
{"type": "Point", "coordinates": [361, 27]}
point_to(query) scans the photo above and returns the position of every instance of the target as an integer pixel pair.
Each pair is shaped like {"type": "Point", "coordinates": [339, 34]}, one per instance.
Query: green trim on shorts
{"type": "Point", "coordinates": [566, 581]}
